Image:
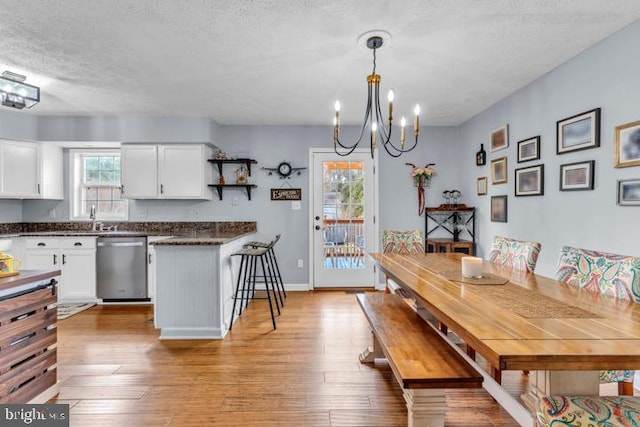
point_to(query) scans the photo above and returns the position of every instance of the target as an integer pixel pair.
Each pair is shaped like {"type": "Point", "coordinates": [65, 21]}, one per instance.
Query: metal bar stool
{"type": "Point", "coordinates": [273, 263]}
{"type": "Point", "coordinates": [246, 284]}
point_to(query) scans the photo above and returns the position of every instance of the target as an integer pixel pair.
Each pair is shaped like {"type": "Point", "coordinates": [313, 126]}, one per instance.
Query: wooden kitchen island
{"type": "Point", "coordinates": [195, 280]}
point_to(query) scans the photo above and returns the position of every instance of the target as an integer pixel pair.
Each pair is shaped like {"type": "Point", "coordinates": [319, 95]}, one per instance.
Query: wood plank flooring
{"type": "Point", "coordinates": [115, 372]}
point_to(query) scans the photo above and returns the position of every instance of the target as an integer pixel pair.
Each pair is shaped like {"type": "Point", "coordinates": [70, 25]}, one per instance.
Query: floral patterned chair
{"type": "Point", "coordinates": [584, 411]}
{"type": "Point", "coordinates": [517, 254]}
{"type": "Point", "coordinates": [609, 274]}
{"type": "Point", "coordinates": [401, 242]}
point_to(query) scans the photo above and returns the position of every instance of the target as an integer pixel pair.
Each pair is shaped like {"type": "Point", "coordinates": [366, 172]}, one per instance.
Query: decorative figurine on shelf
{"type": "Point", "coordinates": [221, 180]}
{"type": "Point", "coordinates": [481, 156]}
{"type": "Point", "coordinates": [455, 195]}
{"type": "Point", "coordinates": [242, 175]}
{"type": "Point", "coordinates": [422, 179]}
{"type": "Point", "coordinates": [221, 155]}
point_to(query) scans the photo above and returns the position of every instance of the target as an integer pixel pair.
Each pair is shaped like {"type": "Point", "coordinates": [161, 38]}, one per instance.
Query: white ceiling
{"type": "Point", "coordinates": [286, 61]}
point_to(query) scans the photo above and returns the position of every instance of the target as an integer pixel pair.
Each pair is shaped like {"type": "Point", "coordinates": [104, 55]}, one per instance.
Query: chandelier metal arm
{"type": "Point", "coordinates": [351, 148]}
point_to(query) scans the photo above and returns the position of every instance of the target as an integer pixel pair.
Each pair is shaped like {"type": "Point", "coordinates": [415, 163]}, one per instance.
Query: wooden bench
{"type": "Point", "coordinates": [423, 362]}
{"type": "Point", "coordinates": [581, 411]}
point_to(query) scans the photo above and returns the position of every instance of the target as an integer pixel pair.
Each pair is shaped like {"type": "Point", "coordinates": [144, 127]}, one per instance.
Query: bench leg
{"type": "Point", "coordinates": [372, 353]}
{"type": "Point", "coordinates": [426, 408]}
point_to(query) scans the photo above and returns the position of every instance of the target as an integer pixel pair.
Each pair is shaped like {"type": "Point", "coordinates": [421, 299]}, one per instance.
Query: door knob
{"type": "Point", "coordinates": [317, 218]}
{"type": "Point", "coordinates": [317, 227]}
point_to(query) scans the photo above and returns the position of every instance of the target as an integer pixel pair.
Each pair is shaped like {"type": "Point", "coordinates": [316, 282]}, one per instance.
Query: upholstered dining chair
{"type": "Point", "coordinates": [401, 242]}
{"type": "Point", "coordinates": [609, 274]}
{"type": "Point", "coordinates": [516, 254]}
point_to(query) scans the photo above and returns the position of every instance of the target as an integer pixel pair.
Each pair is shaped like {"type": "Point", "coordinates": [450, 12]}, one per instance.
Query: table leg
{"type": "Point", "coordinates": [560, 383]}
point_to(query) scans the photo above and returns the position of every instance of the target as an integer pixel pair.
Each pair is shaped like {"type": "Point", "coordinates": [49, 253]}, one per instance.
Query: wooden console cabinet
{"type": "Point", "coordinates": [28, 337]}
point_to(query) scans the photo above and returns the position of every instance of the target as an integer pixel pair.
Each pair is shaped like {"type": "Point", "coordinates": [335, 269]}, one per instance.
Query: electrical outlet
{"type": "Point", "coordinates": [296, 205]}
{"type": "Point", "coordinates": [235, 201]}
{"type": "Point", "coordinates": [300, 263]}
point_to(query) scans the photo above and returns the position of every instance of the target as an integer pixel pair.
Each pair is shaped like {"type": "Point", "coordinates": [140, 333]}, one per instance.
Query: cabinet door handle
{"type": "Point", "coordinates": [161, 188]}
{"type": "Point", "coordinates": [122, 189]}
{"type": "Point", "coordinates": [42, 244]}
{"type": "Point", "coordinates": [38, 188]}
{"type": "Point", "coordinates": [55, 259]}
{"type": "Point", "coordinates": [64, 259]}
{"type": "Point", "coordinates": [149, 258]}
{"type": "Point", "coordinates": [77, 244]}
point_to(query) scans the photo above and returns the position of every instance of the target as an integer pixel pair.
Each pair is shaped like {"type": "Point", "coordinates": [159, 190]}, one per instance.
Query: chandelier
{"type": "Point", "coordinates": [379, 132]}
{"type": "Point", "coordinates": [17, 94]}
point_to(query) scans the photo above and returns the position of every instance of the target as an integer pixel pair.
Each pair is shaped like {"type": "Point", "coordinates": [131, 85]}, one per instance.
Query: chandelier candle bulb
{"type": "Point", "coordinates": [390, 97]}
{"type": "Point", "coordinates": [416, 122]}
{"type": "Point", "coordinates": [403, 123]}
{"type": "Point", "coordinates": [374, 129]}
{"type": "Point", "coordinates": [471, 266]}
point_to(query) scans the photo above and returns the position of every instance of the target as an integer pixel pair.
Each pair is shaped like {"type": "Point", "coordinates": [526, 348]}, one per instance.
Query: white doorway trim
{"type": "Point", "coordinates": [376, 207]}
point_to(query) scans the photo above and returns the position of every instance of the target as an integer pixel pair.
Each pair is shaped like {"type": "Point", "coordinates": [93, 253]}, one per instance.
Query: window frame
{"type": "Point", "coordinates": [76, 174]}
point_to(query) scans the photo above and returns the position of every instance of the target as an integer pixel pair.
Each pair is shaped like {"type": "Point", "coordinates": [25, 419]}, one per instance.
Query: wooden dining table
{"type": "Point", "coordinates": [524, 321]}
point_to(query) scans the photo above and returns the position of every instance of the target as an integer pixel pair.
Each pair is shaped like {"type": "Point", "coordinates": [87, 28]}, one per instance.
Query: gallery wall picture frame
{"type": "Point", "coordinates": [529, 149]}
{"type": "Point", "coordinates": [481, 186]}
{"type": "Point", "coordinates": [577, 176]}
{"type": "Point", "coordinates": [529, 181]}
{"type": "Point", "coordinates": [499, 170]}
{"type": "Point", "coordinates": [629, 192]}
{"type": "Point", "coordinates": [627, 145]}
{"type": "Point", "coordinates": [499, 138]}
{"type": "Point", "coordinates": [579, 132]}
{"type": "Point", "coordinates": [499, 208]}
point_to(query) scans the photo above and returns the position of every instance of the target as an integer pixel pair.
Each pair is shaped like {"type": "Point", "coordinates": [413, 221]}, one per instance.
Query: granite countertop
{"type": "Point", "coordinates": [201, 239]}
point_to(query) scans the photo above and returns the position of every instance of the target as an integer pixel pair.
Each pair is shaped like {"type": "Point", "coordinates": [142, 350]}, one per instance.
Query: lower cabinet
{"type": "Point", "coordinates": [75, 257]}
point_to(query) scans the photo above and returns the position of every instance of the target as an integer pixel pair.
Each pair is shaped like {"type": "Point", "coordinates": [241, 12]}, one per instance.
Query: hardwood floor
{"type": "Point", "coordinates": [115, 372]}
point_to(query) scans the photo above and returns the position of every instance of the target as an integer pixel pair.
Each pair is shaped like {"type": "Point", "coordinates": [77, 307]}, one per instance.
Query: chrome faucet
{"type": "Point", "coordinates": [92, 215]}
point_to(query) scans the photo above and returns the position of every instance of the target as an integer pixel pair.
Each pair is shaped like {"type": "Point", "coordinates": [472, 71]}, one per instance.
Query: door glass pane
{"type": "Point", "coordinates": [343, 215]}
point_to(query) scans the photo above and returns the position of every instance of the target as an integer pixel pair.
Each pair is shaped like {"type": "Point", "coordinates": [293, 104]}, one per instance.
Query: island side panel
{"type": "Point", "coordinates": [187, 292]}
{"type": "Point", "coordinates": [228, 278]}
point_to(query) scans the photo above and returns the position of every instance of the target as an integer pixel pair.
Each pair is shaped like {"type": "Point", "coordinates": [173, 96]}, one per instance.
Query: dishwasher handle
{"type": "Point", "coordinates": [120, 244]}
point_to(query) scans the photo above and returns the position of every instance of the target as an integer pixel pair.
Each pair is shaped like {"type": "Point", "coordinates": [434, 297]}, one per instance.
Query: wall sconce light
{"type": "Point", "coordinates": [17, 94]}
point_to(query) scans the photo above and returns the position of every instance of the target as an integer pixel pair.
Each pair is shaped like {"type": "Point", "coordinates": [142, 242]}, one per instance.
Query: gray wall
{"type": "Point", "coordinates": [604, 76]}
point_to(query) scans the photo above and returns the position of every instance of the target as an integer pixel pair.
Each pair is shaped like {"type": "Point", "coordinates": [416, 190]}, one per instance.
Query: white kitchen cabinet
{"type": "Point", "coordinates": [166, 171]}
{"type": "Point", "coordinates": [74, 256]}
{"type": "Point", "coordinates": [30, 170]}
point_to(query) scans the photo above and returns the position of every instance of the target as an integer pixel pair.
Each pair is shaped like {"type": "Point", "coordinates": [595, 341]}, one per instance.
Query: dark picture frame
{"type": "Point", "coordinates": [579, 132]}
{"type": "Point", "coordinates": [529, 149]}
{"type": "Point", "coordinates": [481, 186]}
{"type": "Point", "coordinates": [499, 170]}
{"type": "Point", "coordinates": [577, 176]}
{"type": "Point", "coordinates": [629, 192]}
{"type": "Point", "coordinates": [499, 208]}
{"type": "Point", "coordinates": [499, 138]}
{"type": "Point", "coordinates": [529, 181]}
{"type": "Point", "coordinates": [627, 145]}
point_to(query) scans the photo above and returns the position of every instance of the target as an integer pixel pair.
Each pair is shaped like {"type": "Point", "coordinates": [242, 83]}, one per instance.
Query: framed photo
{"type": "Point", "coordinates": [627, 145]}
{"type": "Point", "coordinates": [500, 138]}
{"type": "Point", "coordinates": [530, 181]}
{"type": "Point", "coordinates": [629, 192]}
{"type": "Point", "coordinates": [579, 132]}
{"type": "Point", "coordinates": [577, 176]}
{"type": "Point", "coordinates": [499, 170]}
{"type": "Point", "coordinates": [529, 149]}
{"type": "Point", "coordinates": [499, 208]}
{"type": "Point", "coordinates": [481, 186]}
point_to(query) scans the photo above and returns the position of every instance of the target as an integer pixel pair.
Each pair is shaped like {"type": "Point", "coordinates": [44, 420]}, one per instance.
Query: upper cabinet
{"type": "Point", "coordinates": [166, 171]}
{"type": "Point", "coordinates": [30, 170]}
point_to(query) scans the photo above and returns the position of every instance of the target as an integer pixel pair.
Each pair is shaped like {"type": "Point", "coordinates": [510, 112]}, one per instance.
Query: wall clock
{"type": "Point", "coordinates": [284, 169]}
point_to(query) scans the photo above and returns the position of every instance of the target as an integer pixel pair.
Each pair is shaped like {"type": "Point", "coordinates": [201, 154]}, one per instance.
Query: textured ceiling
{"type": "Point", "coordinates": [286, 61]}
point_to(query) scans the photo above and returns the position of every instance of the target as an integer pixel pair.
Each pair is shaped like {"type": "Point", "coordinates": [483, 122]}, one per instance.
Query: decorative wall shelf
{"type": "Point", "coordinates": [220, 187]}
{"type": "Point", "coordinates": [246, 162]}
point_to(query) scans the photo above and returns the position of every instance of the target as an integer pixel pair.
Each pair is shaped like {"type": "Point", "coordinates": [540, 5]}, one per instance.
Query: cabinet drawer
{"type": "Point", "coordinates": [42, 243]}
{"type": "Point", "coordinates": [78, 243]}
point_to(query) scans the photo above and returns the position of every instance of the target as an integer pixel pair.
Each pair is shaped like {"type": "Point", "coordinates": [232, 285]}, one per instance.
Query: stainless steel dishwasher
{"type": "Point", "coordinates": [121, 269]}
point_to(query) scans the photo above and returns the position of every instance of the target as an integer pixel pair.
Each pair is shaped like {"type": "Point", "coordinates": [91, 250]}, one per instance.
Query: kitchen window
{"type": "Point", "coordinates": [95, 180]}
